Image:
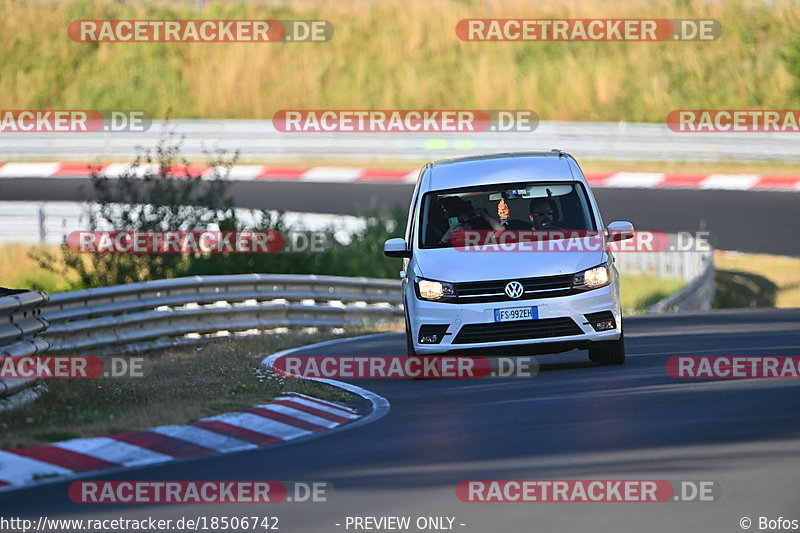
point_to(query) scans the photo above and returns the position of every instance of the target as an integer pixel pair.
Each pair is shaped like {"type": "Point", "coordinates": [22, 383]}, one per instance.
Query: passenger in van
{"type": "Point", "coordinates": [468, 218]}
{"type": "Point", "coordinates": [437, 221]}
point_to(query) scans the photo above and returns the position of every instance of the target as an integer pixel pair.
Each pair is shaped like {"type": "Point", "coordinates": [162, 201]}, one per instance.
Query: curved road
{"type": "Point", "coordinates": [572, 420]}
{"type": "Point", "coordinates": [746, 221]}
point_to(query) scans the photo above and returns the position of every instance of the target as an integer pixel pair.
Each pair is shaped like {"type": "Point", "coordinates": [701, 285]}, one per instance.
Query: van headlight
{"type": "Point", "coordinates": [594, 278]}
{"type": "Point", "coordinates": [428, 289]}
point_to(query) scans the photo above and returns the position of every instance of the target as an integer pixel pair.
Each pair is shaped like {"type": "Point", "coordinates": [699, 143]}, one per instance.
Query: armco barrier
{"type": "Point", "coordinates": [20, 325]}
{"type": "Point", "coordinates": [167, 311]}
{"type": "Point", "coordinates": [698, 294]}
{"type": "Point", "coordinates": [141, 312]}
{"type": "Point", "coordinates": [695, 266]}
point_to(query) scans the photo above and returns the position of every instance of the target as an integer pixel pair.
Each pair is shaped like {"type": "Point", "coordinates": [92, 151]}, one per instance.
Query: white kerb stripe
{"type": "Point", "coordinates": [328, 409]}
{"type": "Point", "coordinates": [262, 425]}
{"type": "Point", "coordinates": [29, 170]}
{"type": "Point", "coordinates": [333, 174]}
{"type": "Point", "coordinates": [411, 177]}
{"type": "Point", "coordinates": [115, 170]}
{"type": "Point", "coordinates": [634, 179]}
{"type": "Point", "coordinates": [242, 172]}
{"type": "Point", "coordinates": [312, 399]}
{"type": "Point", "coordinates": [114, 451]}
{"type": "Point", "coordinates": [300, 415]}
{"type": "Point", "coordinates": [205, 438]}
{"type": "Point", "coordinates": [17, 469]}
{"type": "Point", "coordinates": [730, 181]}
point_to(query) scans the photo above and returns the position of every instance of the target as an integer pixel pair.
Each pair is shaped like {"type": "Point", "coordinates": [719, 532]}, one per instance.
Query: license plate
{"type": "Point", "coordinates": [515, 313]}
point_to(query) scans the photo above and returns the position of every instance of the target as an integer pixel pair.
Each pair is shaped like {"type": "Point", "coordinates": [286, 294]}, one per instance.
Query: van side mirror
{"type": "Point", "coordinates": [619, 230]}
{"type": "Point", "coordinates": [396, 248]}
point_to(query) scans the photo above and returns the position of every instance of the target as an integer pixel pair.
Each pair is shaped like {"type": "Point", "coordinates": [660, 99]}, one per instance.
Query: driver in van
{"type": "Point", "coordinates": [542, 212]}
{"type": "Point", "coordinates": [541, 215]}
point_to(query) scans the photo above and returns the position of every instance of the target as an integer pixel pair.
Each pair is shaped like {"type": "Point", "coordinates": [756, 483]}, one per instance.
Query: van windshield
{"type": "Point", "coordinates": [554, 208]}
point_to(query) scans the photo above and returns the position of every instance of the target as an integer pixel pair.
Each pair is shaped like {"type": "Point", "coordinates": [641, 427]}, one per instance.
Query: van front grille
{"type": "Point", "coordinates": [517, 330]}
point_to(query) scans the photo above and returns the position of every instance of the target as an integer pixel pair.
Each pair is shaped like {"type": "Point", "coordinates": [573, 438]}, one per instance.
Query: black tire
{"type": "Point", "coordinates": [608, 352]}
{"type": "Point", "coordinates": [410, 351]}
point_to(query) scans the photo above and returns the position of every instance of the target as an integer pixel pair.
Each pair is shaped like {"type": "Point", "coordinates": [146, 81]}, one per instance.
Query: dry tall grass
{"type": "Point", "coordinates": [400, 54]}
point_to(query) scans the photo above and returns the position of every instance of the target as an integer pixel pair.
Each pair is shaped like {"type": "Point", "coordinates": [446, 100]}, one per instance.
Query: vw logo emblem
{"type": "Point", "coordinates": [514, 289]}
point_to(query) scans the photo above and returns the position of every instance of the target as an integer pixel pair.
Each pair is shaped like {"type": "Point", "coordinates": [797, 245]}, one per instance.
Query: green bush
{"type": "Point", "coordinates": [792, 59]}
{"type": "Point", "coordinates": [159, 193]}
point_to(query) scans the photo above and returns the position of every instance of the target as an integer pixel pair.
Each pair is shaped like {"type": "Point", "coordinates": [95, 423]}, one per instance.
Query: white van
{"type": "Point", "coordinates": [508, 253]}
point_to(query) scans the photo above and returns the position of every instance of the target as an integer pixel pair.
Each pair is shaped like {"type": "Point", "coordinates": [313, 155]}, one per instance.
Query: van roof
{"type": "Point", "coordinates": [502, 168]}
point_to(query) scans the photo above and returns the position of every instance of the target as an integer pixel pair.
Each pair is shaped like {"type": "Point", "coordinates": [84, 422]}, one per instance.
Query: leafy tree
{"type": "Point", "coordinates": [160, 192]}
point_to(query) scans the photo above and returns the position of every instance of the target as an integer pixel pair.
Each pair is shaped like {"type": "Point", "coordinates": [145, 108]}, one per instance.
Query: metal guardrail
{"type": "Point", "coordinates": [177, 309]}
{"type": "Point", "coordinates": [140, 312]}
{"type": "Point", "coordinates": [174, 309]}
{"type": "Point", "coordinates": [258, 140]}
{"type": "Point", "coordinates": [664, 265]}
{"type": "Point", "coordinates": [695, 266]}
{"type": "Point", "coordinates": [698, 294]}
{"type": "Point", "coordinates": [20, 325]}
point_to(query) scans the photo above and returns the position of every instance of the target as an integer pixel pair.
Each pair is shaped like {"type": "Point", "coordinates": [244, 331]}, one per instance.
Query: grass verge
{"type": "Point", "coordinates": [19, 271]}
{"type": "Point", "coordinates": [756, 280]}
{"type": "Point", "coordinates": [179, 385]}
{"type": "Point", "coordinates": [639, 292]}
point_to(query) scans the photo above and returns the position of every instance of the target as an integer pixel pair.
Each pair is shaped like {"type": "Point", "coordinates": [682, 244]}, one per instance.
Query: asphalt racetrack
{"type": "Point", "coordinates": [573, 420]}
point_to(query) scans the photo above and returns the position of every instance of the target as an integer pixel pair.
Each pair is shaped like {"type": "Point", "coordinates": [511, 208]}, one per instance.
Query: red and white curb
{"type": "Point", "coordinates": [657, 180]}
{"type": "Point", "coordinates": [289, 417]}
{"type": "Point", "coordinates": [635, 180]}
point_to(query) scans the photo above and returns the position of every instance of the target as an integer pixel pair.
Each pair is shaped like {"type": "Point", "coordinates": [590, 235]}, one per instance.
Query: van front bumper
{"type": "Point", "coordinates": [562, 322]}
